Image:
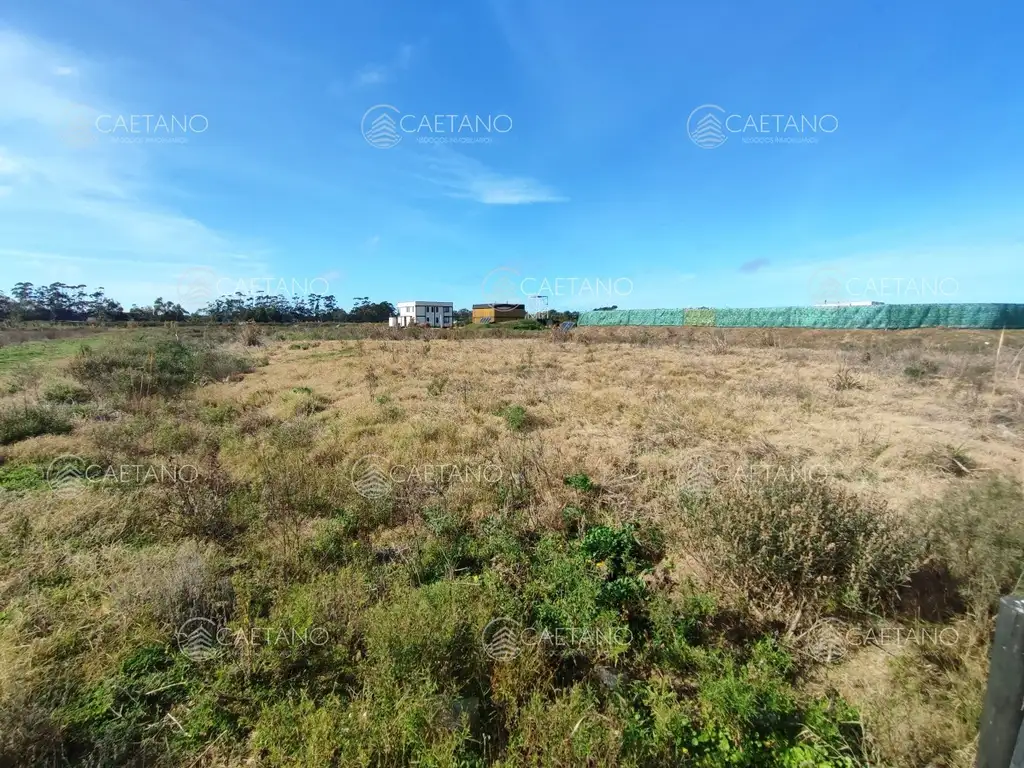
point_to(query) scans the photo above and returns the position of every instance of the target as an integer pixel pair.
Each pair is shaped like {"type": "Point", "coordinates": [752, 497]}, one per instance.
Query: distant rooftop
{"type": "Point", "coordinates": [850, 304]}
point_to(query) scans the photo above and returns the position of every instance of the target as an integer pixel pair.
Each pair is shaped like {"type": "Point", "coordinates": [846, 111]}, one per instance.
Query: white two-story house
{"type": "Point", "coordinates": [436, 314]}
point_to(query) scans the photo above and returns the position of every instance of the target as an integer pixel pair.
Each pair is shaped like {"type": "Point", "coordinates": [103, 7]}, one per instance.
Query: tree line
{"type": "Point", "coordinates": [59, 302]}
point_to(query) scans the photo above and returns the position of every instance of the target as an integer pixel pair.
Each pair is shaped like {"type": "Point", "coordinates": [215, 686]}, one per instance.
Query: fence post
{"type": "Point", "coordinates": [1002, 714]}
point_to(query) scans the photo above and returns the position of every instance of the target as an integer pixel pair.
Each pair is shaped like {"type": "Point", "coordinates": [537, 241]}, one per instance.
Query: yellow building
{"type": "Point", "coordinates": [495, 313]}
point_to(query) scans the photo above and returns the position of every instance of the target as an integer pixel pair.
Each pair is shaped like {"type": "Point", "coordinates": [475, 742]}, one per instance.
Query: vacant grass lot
{"type": "Point", "coordinates": [637, 547]}
{"type": "Point", "coordinates": [14, 355]}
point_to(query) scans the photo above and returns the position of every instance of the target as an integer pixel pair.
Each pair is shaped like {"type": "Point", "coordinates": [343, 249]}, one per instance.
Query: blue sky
{"type": "Point", "coordinates": [595, 193]}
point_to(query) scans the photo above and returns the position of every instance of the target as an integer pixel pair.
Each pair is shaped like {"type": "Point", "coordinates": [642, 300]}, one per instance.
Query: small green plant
{"type": "Point", "coordinates": [920, 370]}
{"type": "Point", "coordinates": [514, 495]}
{"type": "Point", "coordinates": [441, 522]}
{"type": "Point", "coordinates": [845, 379]}
{"type": "Point", "coordinates": [574, 519]}
{"type": "Point", "coordinates": [389, 412]}
{"type": "Point", "coordinates": [515, 417]}
{"type": "Point", "coordinates": [21, 477]}
{"type": "Point", "coordinates": [580, 482]}
{"type": "Point", "coordinates": [333, 545]}
{"type": "Point", "coordinates": [437, 385]}
{"type": "Point", "coordinates": [953, 460]}
{"type": "Point", "coordinates": [303, 401]}
{"type": "Point", "coordinates": [371, 379]}
{"type": "Point", "coordinates": [217, 414]}
{"type": "Point", "coordinates": [306, 402]}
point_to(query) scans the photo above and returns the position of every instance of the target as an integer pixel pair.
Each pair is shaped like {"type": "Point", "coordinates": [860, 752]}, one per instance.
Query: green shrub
{"type": "Point", "coordinates": [744, 713]}
{"type": "Point", "coordinates": [66, 393]}
{"type": "Point", "coordinates": [173, 438]}
{"type": "Point", "coordinates": [398, 722]}
{"type": "Point", "coordinates": [514, 494]}
{"type": "Point", "coordinates": [443, 523]}
{"type": "Point", "coordinates": [845, 379]}
{"type": "Point", "coordinates": [921, 369]}
{"type": "Point", "coordinates": [208, 508]}
{"type": "Point", "coordinates": [567, 729]}
{"type": "Point", "coordinates": [21, 477]}
{"type": "Point", "coordinates": [977, 534]}
{"type": "Point", "coordinates": [305, 402]}
{"type": "Point", "coordinates": [218, 364]}
{"type": "Point", "coordinates": [298, 731]}
{"type": "Point", "coordinates": [250, 334]}
{"type": "Point", "coordinates": [144, 367]}
{"type": "Point", "coordinates": [593, 584]}
{"type": "Point", "coordinates": [19, 423]}
{"type": "Point", "coordinates": [515, 417]}
{"type": "Point", "coordinates": [574, 519]}
{"type": "Point", "coordinates": [622, 560]}
{"type": "Point", "coordinates": [118, 720]}
{"type": "Point", "coordinates": [437, 385]}
{"type": "Point", "coordinates": [430, 633]}
{"type": "Point", "coordinates": [319, 625]}
{"type": "Point", "coordinates": [333, 544]}
{"type": "Point", "coordinates": [527, 325]}
{"type": "Point", "coordinates": [797, 541]}
{"type": "Point", "coordinates": [217, 414]}
{"type": "Point", "coordinates": [952, 460]}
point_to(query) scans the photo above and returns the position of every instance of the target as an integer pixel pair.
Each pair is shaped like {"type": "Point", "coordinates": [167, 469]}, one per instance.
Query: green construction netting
{"type": "Point", "coordinates": [699, 317]}
{"type": "Point", "coordinates": [879, 316]}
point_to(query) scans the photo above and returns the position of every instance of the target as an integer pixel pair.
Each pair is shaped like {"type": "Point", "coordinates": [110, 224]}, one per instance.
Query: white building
{"type": "Point", "coordinates": [850, 304]}
{"type": "Point", "coordinates": [436, 314]}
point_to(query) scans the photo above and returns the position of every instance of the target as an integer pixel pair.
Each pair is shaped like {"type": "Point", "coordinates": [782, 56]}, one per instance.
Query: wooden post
{"type": "Point", "coordinates": [1002, 713]}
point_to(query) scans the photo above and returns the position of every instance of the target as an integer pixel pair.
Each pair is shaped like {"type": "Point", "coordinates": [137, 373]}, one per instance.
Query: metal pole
{"type": "Point", "coordinates": [1002, 714]}
{"type": "Point", "coordinates": [1018, 751]}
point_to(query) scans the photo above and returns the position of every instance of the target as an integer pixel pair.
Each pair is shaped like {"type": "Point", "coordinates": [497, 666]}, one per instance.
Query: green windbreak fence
{"type": "Point", "coordinates": [878, 316]}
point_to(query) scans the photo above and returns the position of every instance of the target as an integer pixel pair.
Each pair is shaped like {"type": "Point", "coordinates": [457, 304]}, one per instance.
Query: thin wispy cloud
{"type": "Point", "coordinates": [463, 177]}
{"type": "Point", "coordinates": [73, 200]}
{"type": "Point", "coordinates": [371, 76]}
{"type": "Point", "coordinates": [755, 265]}
{"type": "Point", "coordinates": [497, 190]}
{"type": "Point", "coordinates": [375, 73]}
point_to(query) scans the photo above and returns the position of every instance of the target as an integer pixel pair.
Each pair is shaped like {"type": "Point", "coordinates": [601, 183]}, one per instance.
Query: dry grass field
{"type": "Point", "coordinates": [735, 547]}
